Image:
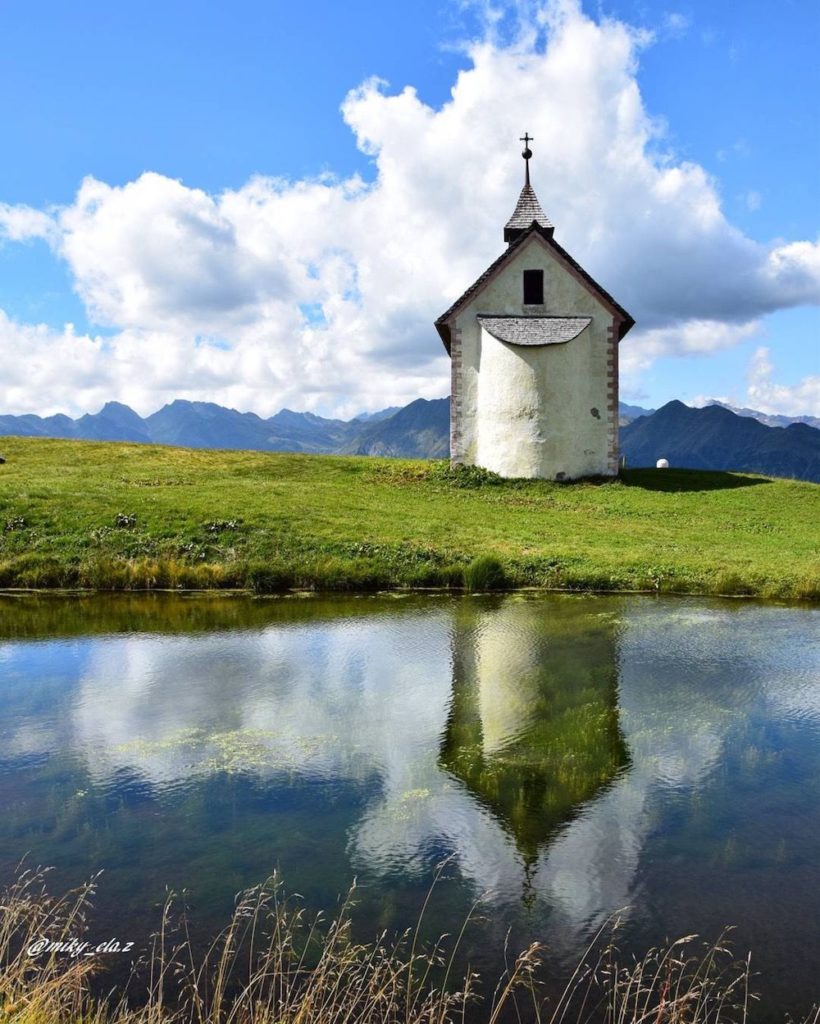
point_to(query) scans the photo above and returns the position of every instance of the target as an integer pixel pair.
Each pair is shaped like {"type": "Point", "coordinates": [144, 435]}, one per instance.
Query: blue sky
{"type": "Point", "coordinates": [225, 248]}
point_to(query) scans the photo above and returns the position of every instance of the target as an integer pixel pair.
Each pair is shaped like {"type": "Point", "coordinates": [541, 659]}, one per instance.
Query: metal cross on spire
{"type": "Point", "coordinates": [527, 153]}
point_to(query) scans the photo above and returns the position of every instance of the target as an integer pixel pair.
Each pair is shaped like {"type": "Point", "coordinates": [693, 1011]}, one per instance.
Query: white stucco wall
{"type": "Point", "coordinates": [535, 411]}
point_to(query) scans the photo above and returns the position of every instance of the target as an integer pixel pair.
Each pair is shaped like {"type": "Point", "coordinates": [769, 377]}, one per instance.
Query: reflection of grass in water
{"type": "Point", "coordinates": [274, 965]}
{"type": "Point", "coordinates": [40, 615]}
{"type": "Point", "coordinates": [236, 750]}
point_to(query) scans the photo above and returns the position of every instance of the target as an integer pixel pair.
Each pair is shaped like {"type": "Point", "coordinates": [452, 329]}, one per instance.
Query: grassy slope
{"type": "Point", "coordinates": [359, 523]}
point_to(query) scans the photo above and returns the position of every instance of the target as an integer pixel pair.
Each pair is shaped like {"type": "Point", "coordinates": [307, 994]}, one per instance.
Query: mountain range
{"type": "Point", "coordinates": [769, 419]}
{"type": "Point", "coordinates": [713, 437]}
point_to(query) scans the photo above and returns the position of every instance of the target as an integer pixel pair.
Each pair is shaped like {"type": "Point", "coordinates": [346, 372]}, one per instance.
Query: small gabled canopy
{"type": "Point", "coordinates": [534, 330]}
{"type": "Point", "coordinates": [527, 211]}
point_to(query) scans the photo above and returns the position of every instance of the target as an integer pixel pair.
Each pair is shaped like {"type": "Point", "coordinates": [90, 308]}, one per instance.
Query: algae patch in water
{"type": "Point", "coordinates": [232, 751]}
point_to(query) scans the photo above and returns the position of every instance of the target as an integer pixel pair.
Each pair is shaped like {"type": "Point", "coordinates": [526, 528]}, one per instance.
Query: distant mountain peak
{"type": "Point", "coordinates": [373, 417]}
{"type": "Point", "coordinates": [769, 419]}
{"type": "Point", "coordinates": [117, 407]}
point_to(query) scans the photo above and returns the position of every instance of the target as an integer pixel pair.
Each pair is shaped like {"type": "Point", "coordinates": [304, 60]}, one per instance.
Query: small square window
{"type": "Point", "coordinates": [533, 287]}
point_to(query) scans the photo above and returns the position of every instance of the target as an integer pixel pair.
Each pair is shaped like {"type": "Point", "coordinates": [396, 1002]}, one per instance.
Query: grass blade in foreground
{"type": "Point", "coordinates": [271, 965]}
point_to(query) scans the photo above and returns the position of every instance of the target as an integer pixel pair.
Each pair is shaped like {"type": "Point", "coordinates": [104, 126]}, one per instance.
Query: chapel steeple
{"type": "Point", "coordinates": [527, 209]}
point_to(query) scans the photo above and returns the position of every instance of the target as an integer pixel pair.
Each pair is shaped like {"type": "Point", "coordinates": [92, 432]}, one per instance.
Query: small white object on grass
{"type": "Point", "coordinates": [662, 464]}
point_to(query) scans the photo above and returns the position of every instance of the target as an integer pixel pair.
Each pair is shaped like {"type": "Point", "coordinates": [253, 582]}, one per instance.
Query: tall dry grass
{"type": "Point", "coordinates": [274, 965]}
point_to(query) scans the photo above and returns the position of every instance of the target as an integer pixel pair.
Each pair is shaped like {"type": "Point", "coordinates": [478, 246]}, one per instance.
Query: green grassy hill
{"type": "Point", "coordinates": [111, 515]}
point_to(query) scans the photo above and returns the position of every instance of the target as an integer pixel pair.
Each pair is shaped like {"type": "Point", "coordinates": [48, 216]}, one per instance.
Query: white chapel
{"type": "Point", "coordinates": [533, 345]}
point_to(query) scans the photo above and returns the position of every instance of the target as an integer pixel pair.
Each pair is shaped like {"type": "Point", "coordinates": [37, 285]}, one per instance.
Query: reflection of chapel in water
{"type": "Point", "coordinates": [533, 731]}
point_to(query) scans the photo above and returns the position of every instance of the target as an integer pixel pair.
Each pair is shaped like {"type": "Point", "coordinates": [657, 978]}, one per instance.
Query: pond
{"type": "Point", "coordinates": [572, 755]}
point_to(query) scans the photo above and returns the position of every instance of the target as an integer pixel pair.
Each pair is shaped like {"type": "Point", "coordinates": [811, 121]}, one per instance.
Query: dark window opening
{"type": "Point", "coordinates": [533, 287]}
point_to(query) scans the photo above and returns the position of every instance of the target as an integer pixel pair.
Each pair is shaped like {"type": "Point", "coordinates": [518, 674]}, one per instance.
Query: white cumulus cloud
{"type": "Point", "coordinates": [763, 393]}
{"type": "Point", "coordinates": [22, 223]}
{"type": "Point", "coordinates": [321, 293]}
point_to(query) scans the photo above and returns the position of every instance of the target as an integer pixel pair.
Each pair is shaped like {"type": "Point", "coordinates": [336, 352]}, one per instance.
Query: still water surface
{"type": "Point", "coordinates": [574, 756]}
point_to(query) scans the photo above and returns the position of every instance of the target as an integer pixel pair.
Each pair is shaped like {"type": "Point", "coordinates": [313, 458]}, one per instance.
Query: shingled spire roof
{"type": "Point", "coordinates": [527, 210]}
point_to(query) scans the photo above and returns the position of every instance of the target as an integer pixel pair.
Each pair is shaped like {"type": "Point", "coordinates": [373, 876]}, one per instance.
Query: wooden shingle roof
{"type": "Point", "coordinates": [534, 330]}
{"type": "Point", "coordinates": [527, 210]}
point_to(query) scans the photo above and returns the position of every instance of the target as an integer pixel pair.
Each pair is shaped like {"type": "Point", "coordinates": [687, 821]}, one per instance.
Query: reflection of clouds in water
{"type": "Point", "coordinates": [323, 700]}
{"type": "Point", "coordinates": [28, 739]}
{"type": "Point", "coordinates": [799, 703]}
{"type": "Point", "coordinates": [793, 665]}
{"type": "Point", "coordinates": [37, 685]}
{"type": "Point", "coordinates": [356, 697]}
{"type": "Point", "coordinates": [588, 872]}
{"type": "Point", "coordinates": [687, 677]}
